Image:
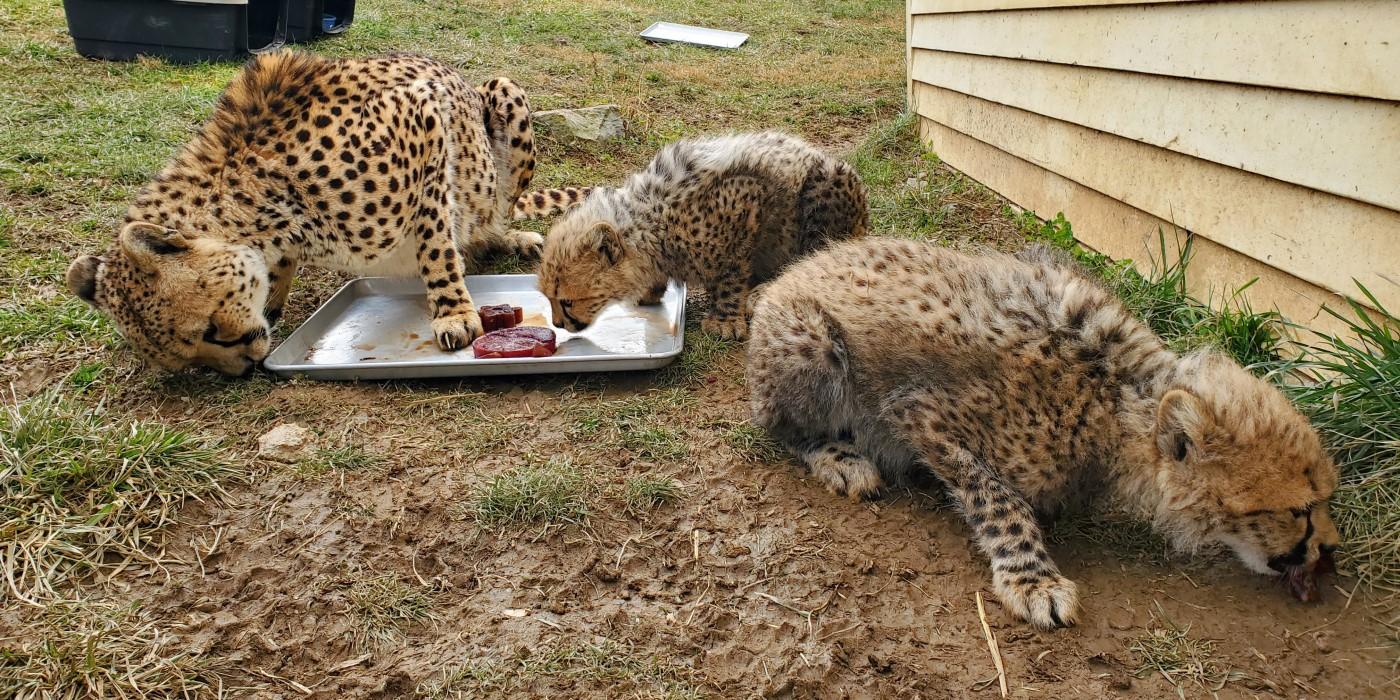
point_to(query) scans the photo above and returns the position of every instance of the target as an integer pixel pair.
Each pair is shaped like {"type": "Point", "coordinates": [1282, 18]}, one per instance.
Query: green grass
{"type": "Point", "coordinates": [568, 668]}
{"type": "Point", "coordinates": [545, 492]}
{"type": "Point", "coordinates": [381, 606]}
{"type": "Point", "coordinates": [92, 650]}
{"type": "Point", "coordinates": [81, 489]}
{"type": "Point", "coordinates": [61, 320]}
{"type": "Point", "coordinates": [1350, 386]}
{"type": "Point", "coordinates": [644, 493]}
{"type": "Point", "coordinates": [346, 458]}
{"type": "Point", "coordinates": [911, 194]}
{"type": "Point", "coordinates": [639, 424]}
{"type": "Point", "coordinates": [753, 443]}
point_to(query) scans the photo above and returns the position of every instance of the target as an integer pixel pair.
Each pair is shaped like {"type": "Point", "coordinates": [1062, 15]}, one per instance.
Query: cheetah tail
{"type": "Point", "coordinates": [542, 203]}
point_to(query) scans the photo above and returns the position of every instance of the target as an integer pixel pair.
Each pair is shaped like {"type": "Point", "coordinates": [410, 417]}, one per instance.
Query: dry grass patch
{"type": "Point", "coordinates": [100, 650]}
{"type": "Point", "coordinates": [381, 606]}
{"type": "Point", "coordinates": [80, 489]}
{"type": "Point", "coordinates": [622, 671]}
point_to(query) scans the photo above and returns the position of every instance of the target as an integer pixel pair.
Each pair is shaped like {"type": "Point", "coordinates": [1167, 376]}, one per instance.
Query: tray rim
{"type": "Point", "coordinates": [438, 369]}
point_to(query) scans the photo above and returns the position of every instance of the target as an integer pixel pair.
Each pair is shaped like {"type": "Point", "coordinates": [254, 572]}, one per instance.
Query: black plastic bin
{"type": "Point", "coordinates": [182, 31]}
{"type": "Point", "coordinates": [309, 19]}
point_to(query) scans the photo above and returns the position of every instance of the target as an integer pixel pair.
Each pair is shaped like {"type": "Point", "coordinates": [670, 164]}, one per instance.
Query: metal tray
{"type": "Point", "coordinates": [667, 32]}
{"type": "Point", "coordinates": [377, 328]}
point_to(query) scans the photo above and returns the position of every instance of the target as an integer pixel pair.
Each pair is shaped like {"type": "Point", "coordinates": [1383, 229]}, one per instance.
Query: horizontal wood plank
{"type": "Point", "coordinates": [1123, 232]}
{"type": "Point", "coordinates": [1326, 142]}
{"type": "Point", "coordinates": [926, 7]}
{"type": "Point", "coordinates": [1348, 48]}
{"type": "Point", "coordinates": [1321, 238]}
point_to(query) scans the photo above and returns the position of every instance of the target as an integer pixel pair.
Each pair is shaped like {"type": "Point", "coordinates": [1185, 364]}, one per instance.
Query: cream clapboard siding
{"type": "Point", "coordinates": [1269, 129]}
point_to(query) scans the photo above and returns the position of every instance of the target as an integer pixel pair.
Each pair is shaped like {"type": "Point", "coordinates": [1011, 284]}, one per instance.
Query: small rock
{"type": "Point", "coordinates": [601, 123]}
{"type": "Point", "coordinates": [1326, 641]}
{"type": "Point", "coordinates": [1121, 620]}
{"type": "Point", "coordinates": [287, 442]}
{"type": "Point", "coordinates": [515, 612]}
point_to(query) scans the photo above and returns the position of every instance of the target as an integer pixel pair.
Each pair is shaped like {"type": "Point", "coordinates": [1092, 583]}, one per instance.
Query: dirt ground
{"type": "Point", "coordinates": [751, 581]}
{"type": "Point", "coordinates": [755, 582]}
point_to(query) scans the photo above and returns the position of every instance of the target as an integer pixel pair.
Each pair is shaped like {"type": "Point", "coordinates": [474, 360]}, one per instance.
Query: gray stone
{"type": "Point", "coordinates": [601, 123]}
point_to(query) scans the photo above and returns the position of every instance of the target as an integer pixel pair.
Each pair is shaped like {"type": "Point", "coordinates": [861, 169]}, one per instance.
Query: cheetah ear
{"type": "Point", "coordinates": [610, 241]}
{"type": "Point", "coordinates": [82, 278]}
{"type": "Point", "coordinates": [145, 243]}
{"type": "Point", "coordinates": [1182, 422]}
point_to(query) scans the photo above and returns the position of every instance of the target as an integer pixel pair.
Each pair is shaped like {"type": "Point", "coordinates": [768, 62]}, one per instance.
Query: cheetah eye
{"type": "Point", "coordinates": [566, 303]}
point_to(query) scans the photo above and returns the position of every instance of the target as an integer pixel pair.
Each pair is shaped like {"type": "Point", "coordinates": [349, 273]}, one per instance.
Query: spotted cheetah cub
{"type": "Point", "coordinates": [722, 212]}
{"type": "Point", "coordinates": [1021, 384]}
{"type": "Point", "coordinates": [380, 166]}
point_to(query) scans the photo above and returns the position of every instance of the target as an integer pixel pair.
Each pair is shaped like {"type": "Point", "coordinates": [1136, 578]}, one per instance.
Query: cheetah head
{"type": "Point", "coordinates": [180, 300]}
{"type": "Point", "coordinates": [586, 265]}
{"type": "Point", "coordinates": [1239, 465]}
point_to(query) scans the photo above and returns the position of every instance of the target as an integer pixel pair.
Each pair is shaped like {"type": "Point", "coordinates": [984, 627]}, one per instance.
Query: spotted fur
{"type": "Point", "coordinates": [392, 165]}
{"type": "Point", "coordinates": [542, 203]}
{"type": "Point", "coordinates": [1021, 384]}
{"type": "Point", "coordinates": [722, 212]}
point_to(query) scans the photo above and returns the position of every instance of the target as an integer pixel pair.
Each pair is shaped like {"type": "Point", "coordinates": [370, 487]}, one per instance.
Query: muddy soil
{"type": "Point", "coordinates": [755, 583]}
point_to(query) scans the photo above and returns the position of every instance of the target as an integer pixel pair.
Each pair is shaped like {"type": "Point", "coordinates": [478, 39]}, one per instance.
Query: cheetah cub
{"type": "Point", "coordinates": [723, 212]}
{"type": "Point", "coordinates": [1022, 384]}
{"type": "Point", "coordinates": [377, 166]}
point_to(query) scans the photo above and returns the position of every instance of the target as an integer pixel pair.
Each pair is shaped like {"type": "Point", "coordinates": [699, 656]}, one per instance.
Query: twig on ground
{"type": "Point", "coordinates": [992, 645]}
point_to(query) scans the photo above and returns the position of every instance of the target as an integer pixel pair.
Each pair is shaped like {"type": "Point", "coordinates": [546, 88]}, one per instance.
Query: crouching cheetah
{"type": "Point", "coordinates": [382, 166]}
{"type": "Point", "coordinates": [723, 212]}
{"type": "Point", "coordinates": [1021, 384]}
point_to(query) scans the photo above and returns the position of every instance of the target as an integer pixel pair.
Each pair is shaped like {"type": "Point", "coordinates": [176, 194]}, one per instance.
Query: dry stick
{"type": "Point", "coordinates": [992, 644]}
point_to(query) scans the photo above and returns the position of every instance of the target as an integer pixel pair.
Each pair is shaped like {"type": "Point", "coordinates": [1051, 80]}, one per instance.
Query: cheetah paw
{"type": "Point", "coordinates": [725, 328]}
{"type": "Point", "coordinates": [456, 332]}
{"type": "Point", "coordinates": [1046, 601]}
{"type": "Point", "coordinates": [845, 473]}
{"type": "Point", "coordinates": [526, 244]}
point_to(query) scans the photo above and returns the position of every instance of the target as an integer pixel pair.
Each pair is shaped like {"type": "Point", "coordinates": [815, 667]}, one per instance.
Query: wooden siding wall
{"type": "Point", "coordinates": [1267, 129]}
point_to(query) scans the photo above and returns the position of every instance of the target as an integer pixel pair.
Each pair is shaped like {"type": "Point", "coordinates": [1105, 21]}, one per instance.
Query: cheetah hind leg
{"type": "Point", "coordinates": [843, 469]}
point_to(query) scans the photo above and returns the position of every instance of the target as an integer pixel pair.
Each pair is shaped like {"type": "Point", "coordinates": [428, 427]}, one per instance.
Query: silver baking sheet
{"type": "Point", "coordinates": [686, 34]}
{"type": "Point", "coordinates": [378, 328]}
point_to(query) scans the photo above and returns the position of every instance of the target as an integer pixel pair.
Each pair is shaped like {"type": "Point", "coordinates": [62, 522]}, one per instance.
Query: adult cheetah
{"type": "Point", "coordinates": [381, 166]}
{"type": "Point", "coordinates": [726, 212]}
{"type": "Point", "coordinates": [1022, 384]}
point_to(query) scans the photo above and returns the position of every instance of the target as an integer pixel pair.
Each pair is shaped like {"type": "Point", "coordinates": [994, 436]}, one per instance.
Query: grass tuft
{"type": "Point", "coordinates": [347, 458]}
{"type": "Point", "coordinates": [637, 424]}
{"type": "Point", "coordinates": [753, 443]}
{"type": "Point", "coordinates": [79, 490]}
{"type": "Point", "coordinates": [91, 650]}
{"type": "Point", "coordinates": [646, 492]}
{"type": "Point", "coordinates": [546, 492]}
{"type": "Point", "coordinates": [381, 606]}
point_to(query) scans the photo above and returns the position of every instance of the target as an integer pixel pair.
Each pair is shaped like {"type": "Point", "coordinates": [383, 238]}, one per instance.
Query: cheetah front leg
{"type": "Point", "coordinates": [280, 278]}
{"type": "Point", "coordinates": [1004, 526]}
{"type": "Point", "coordinates": [1024, 577]}
{"type": "Point", "coordinates": [1002, 521]}
{"type": "Point", "coordinates": [729, 307]}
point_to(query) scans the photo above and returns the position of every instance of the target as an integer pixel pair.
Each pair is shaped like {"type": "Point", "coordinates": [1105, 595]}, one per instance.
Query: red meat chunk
{"type": "Point", "coordinates": [520, 341]}
{"type": "Point", "coordinates": [494, 317]}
